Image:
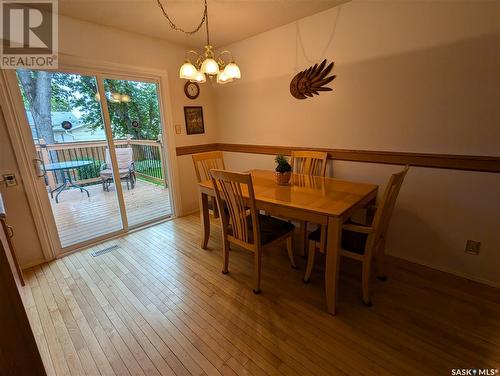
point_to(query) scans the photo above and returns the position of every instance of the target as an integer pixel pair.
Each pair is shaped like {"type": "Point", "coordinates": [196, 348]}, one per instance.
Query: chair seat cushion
{"type": "Point", "coordinates": [270, 228]}
{"type": "Point", "coordinates": [351, 241]}
{"type": "Point", "coordinates": [108, 173]}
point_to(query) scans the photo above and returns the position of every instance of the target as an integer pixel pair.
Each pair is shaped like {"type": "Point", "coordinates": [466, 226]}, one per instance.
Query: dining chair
{"type": "Point", "coordinates": [311, 163]}
{"type": "Point", "coordinates": [203, 163]}
{"type": "Point", "coordinates": [253, 232]}
{"type": "Point", "coordinates": [361, 241]}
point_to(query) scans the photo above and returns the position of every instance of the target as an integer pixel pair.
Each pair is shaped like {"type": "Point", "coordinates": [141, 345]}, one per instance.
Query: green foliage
{"type": "Point", "coordinates": [151, 181]}
{"type": "Point", "coordinates": [283, 165]}
{"type": "Point", "coordinates": [60, 97]}
{"type": "Point", "coordinates": [150, 167]}
{"type": "Point", "coordinates": [143, 108]}
{"type": "Point", "coordinates": [91, 171]}
{"type": "Point", "coordinates": [75, 92]}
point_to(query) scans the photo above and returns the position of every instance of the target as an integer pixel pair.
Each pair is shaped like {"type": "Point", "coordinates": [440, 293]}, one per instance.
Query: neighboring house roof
{"type": "Point", "coordinates": [57, 118]}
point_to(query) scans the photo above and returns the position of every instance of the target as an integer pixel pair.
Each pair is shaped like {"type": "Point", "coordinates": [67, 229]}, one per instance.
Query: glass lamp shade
{"type": "Point", "coordinates": [200, 77]}
{"type": "Point", "coordinates": [125, 98]}
{"type": "Point", "coordinates": [187, 71]}
{"type": "Point", "coordinates": [232, 70]}
{"type": "Point", "coordinates": [222, 78]}
{"type": "Point", "coordinates": [210, 66]}
{"type": "Point", "coordinates": [97, 97]}
{"type": "Point", "coordinates": [115, 97]}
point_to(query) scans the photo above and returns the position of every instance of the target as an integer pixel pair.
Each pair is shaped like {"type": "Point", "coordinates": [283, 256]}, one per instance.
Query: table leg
{"type": "Point", "coordinates": [60, 189]}
{"type": "Point", "coordinates": [55, 190]}
{"type": "Point", "coordinates": [205, 220]}
{"type": "Point", "coordinates": [332, 262]}
{"type": "Point", "coordinates": [304, 242]}
{"type": "Point", "coordinates": [80, 187]}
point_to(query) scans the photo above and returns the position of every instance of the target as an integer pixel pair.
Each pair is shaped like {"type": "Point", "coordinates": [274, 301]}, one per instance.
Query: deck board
{"type": "Point", "coordinates": [80, 218]}
{"type": "Point", "coordinates": [158, 304]}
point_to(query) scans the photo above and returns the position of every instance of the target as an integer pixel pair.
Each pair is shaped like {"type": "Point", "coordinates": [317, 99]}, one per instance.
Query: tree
{"type": "Point", "coordinates": [79, 92]}
{"type": "Point", "coordinates": [37, 92]}
{"type": "Point", "coordinates": [142, 107]}
{"type": "Point", "coordinates": [44, 92]}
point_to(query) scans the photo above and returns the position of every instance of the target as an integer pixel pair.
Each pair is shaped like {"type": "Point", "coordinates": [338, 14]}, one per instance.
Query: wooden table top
{"type": "Point", "coordinates": [316, 194]}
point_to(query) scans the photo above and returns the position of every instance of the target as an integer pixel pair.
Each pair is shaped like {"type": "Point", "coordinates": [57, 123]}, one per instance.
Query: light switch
{"type": "Point", "coordinates": [10, 180]}
{"type": "Point", "coordinates": [178, 129]}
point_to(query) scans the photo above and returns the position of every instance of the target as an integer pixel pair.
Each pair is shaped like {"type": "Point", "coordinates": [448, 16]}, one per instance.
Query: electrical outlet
{"type": "Point", "coordinates": [472, 247]}
{"type": "Point", "coordinates": [178, 129]}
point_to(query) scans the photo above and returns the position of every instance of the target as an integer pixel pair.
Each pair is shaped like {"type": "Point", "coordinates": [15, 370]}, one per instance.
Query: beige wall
{"type": "Point", "coordinates": [411, 76]}
{"type": "Point", "coordinates": [103, 44]}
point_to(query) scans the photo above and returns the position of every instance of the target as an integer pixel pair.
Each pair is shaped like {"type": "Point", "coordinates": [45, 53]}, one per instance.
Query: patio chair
{"type": "Point", "coordinates": [126, 168]}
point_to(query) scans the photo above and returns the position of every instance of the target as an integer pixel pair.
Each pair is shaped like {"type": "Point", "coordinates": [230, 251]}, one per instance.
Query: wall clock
{"type": "Point", "coordinates": [192, 90]}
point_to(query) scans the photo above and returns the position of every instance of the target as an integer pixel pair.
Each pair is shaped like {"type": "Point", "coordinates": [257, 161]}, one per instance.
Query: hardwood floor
{"type": "Point", "coordinates": [79, 218]}
{"type": "Point", "coordinates": [159, 305]}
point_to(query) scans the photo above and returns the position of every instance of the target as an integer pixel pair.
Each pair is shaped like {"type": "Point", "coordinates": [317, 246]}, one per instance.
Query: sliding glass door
{"type": "Point", "coordinates": [99, 150]}
{"type": "Point", "coordinates": [137, 133]}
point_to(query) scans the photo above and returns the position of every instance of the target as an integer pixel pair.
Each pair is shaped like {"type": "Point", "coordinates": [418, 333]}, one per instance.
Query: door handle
{"type": "Point", "coordinates": [39, 167]}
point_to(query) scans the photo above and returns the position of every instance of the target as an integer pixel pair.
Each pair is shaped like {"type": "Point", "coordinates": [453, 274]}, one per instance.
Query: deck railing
{"type": "Point", "coordinates": [147, 155]}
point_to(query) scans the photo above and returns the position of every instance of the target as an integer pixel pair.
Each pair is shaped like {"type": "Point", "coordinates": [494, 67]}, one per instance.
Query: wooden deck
{"type": "Point", "coordinates": [159, 305]}
{"type": "Point", "coordinates": [79, 218]}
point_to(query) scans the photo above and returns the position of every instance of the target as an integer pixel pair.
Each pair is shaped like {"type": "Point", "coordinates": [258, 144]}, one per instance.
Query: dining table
{"type": "Point", "coordinates": [325, 201]}
{"type": "Point", "coordinates": [67, 181]}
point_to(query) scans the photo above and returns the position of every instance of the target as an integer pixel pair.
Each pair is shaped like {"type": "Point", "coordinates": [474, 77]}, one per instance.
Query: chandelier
{"type": "Point", "coordinates": [206, 63]}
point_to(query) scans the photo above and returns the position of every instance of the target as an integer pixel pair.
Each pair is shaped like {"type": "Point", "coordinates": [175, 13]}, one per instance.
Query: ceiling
{"type": "Point", "coordinates": [229, 20]}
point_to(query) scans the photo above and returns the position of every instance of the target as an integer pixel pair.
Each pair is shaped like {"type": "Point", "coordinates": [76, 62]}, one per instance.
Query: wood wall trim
{"type": "Point", "coordinates": [193, 149]}
{"type": "Point", "coordinates": [446, 161]}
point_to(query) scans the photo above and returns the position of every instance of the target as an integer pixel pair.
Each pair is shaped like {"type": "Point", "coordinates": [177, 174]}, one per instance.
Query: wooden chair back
{"type": "Point", "coordinates": [309, 162]}
{"type": "Point", "coordinates": [235, 189]}
{"type": "Point", "coordinates": [386, 206]}
{"type": "Point", "coordinates": [204, 162]}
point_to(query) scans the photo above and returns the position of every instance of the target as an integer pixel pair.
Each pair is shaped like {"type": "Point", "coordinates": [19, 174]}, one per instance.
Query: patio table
{"type": "Point", "coordinates": [65, 168]}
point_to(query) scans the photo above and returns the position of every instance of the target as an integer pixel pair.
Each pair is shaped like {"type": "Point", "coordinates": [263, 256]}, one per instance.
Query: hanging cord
{"type": "Point", "coordinates": [177, 28]}
{"type": "Point", "coordinates": [206, 23]}
{"type": "Point", "coordinates": [298, 41]}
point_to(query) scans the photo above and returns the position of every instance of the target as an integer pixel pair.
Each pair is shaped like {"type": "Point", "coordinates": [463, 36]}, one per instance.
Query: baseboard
{"type": "Point", "coordinates": [191, 212]}
{"type": "Point", "coordinates": [33, 263]}
{"type": "Point", "coordinates": [449, 271]}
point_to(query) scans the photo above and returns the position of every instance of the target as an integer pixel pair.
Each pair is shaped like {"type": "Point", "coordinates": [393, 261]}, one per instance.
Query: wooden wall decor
{"type": "Point", "coordinates": [311, 81]}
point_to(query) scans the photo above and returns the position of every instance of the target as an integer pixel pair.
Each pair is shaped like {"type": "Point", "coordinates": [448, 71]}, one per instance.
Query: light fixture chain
{"type": "Point", "coordinates": [177, 28]}
{"type": "Point", "coordinates": [206, 23]}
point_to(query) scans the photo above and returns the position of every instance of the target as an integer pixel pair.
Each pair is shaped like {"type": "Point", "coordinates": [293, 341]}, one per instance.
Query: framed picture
{"type": "Point", "coordinates": [194, 119]}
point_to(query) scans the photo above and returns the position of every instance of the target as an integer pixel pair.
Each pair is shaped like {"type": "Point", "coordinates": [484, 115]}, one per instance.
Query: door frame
{"type": "Point", "coordinates": [24, 150]}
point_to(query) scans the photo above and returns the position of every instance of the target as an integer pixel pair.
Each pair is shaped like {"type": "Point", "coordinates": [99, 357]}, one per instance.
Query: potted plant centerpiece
{"type": "Point", "coordinates": [283, 170]}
